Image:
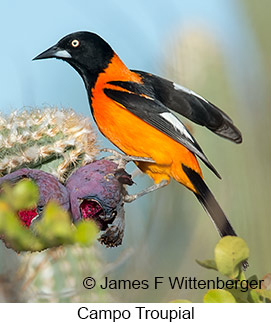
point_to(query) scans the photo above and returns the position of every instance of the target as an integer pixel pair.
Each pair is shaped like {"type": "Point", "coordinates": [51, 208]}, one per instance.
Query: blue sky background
{"type": "Point", "coordinates": [137, 30]}
{"type": "Point", "coordinates": [168, 229]}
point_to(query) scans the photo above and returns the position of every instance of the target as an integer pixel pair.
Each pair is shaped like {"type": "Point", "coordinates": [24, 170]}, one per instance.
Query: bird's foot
{"type": "Point", "coordinates": [130, 198]}
{"type": "Point", "coordinates": [121, 159]}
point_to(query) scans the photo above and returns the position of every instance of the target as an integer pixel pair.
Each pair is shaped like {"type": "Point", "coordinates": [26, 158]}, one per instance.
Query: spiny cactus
{"type": "Point", "coordinates": [51, 139]}
{"type": "Point", "coordinates": [61, 143]}
{"type": "Point", "coordinates": [56, 275]}
{"type": "Point", "coordinates": [58, 142]}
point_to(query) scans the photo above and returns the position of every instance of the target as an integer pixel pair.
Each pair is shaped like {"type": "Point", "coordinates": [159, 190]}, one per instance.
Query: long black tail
{"type": "Point", "coordinates": [209, 203]}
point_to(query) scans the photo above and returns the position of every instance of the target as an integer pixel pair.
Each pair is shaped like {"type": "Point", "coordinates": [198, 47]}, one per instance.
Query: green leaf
{"type": "Point", "coordinates": [86, 232]}
{"type": "Point", "coordinates": [264, 293]}
{"type": "Point", "coordinates": [209, 264]}
{"type": "Point", "coordinates": [254, 297]}
{"type": "Point", "coordinates": [16, 235]}
{"type": "Point", "coordinates": [25, 195]}
{"type": "Point", "coordinates": [253, 277]}
{"type": "Point", "coordinates": [218, 296]}
{"type": "Point", "coordinates": [264, 289]}
{"type": "Point", "coordinates": [229, 254]}
{"type": "Point", "coordinates": [240, 295]}
{"type": "Point", "coordinates": [51, 229]}
{"type": "Point", "coordinates": [55, 225]}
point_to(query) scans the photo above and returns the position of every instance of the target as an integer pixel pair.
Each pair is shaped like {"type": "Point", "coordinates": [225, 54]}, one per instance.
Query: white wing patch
{"type": "Point", "coordinates": [184, 89]}
{"type": "Point", "coordinates": [176, 124]}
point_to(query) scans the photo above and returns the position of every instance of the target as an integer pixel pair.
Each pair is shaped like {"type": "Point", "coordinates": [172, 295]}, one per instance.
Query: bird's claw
{"type": "Point", "coordinates": [121, 159]}
{"type": "Point", "coordinates": [130, 198]}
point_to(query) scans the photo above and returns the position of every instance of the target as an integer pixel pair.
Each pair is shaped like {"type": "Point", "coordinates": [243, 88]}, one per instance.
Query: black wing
{"type": "Point", "coordinates": [191, 106]}
{"type": "Point", "coordinates": [141, 103]}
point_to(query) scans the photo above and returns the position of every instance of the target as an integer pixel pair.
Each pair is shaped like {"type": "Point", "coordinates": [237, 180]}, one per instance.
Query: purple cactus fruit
{"type": "Point", "coordinates": [96, 193]}
{"type": "Point", "coordinates": [49, 189]}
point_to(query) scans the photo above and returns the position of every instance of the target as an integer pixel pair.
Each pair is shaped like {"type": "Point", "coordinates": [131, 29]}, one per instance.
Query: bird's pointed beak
{"type": "Point", "coordinates": [53, 52]}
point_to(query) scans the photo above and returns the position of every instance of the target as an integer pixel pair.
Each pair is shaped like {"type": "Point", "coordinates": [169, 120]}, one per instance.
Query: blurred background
{"type": "Point", "coordinates": [219, 49]}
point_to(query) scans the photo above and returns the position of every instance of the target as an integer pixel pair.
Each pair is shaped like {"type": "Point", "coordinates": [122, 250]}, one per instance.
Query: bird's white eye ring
{"type": "Point", "coordinates": [75, 43]}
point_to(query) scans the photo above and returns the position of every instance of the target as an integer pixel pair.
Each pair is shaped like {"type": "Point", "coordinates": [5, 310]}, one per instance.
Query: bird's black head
{"type": "Point", "coordinates": [87, 52]}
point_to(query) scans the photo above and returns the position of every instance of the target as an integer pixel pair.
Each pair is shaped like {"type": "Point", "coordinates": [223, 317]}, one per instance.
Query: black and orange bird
{"type": "Point", "coordinates": [133, 110]}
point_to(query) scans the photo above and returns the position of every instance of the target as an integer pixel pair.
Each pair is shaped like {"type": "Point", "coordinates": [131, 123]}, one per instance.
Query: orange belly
{"type": "Point", "coordinates": [137, 138]}
{"type": "Point", "coordinates": [134, 136]}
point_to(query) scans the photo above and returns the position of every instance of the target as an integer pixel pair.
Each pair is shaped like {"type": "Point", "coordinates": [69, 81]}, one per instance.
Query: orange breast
{"type": "Point", "coordinates": [134, 136]}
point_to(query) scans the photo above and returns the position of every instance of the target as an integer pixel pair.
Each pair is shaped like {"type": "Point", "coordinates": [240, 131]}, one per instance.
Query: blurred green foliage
{"type": "Point", "coordinates": [230, 254]}
{"type": "Point", "coordinates": [60, 255]}
{"type": "Point", "coordinates": [54, 228]}
{"type": "Point", "coordinates": [24, 195]}
{"type": "Point", "coordinates": [218, 296]}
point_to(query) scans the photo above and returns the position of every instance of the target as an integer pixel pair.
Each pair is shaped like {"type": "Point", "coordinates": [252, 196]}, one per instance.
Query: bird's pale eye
{"type": "Point", "coordinates": [75, 43]}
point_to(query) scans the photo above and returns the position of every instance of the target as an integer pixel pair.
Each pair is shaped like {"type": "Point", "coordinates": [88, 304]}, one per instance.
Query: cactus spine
{"type": "Point", "coordinates": [51, 139]}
